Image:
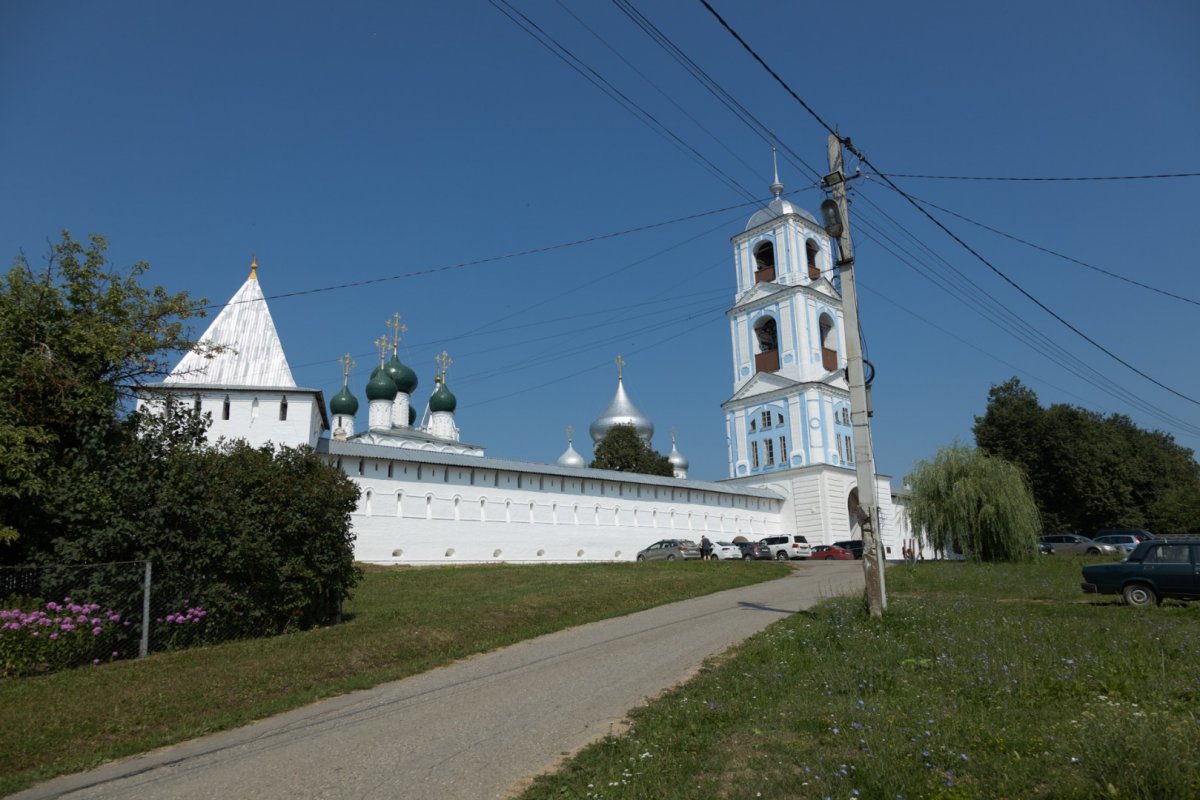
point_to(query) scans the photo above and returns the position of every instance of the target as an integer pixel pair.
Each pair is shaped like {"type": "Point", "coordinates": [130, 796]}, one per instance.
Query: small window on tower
{"type": "Point", "coordinates": [779, 419]}
{"type": "Point", "coordinates": [753, 425]}
{"type": "Point", "coordinates": [783, 449]}
{"type": "Point", "coordinates": [754, 455]}
{"type": "Point", "coordinates": [225, 408]}
{"type": "Point", "coordinates": [196, 404]}
{"type": "Point", "coordinates": [814, 272]}
{"type": "Point", "coordinates": [764, 262]}
{"type": "Point", "coordinates": [283, 409]}
{"type": "Point", "coordinates": [770, 443]}
{"type": "Point", "coordinates": [766, 419]}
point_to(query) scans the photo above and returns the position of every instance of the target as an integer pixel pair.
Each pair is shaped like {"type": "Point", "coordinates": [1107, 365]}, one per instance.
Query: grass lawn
{"type": "Point", "coordinates": [400, 622]}
{"type": "Point", "coordinates": [981, 681]}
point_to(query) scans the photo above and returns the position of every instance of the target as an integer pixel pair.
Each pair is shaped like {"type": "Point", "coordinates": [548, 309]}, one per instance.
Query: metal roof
{"type": "Point", "coordinates": [359, 450]}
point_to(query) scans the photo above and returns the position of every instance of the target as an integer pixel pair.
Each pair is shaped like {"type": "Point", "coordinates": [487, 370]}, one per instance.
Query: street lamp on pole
{"type": "Point", "coordinates": [835, 214]}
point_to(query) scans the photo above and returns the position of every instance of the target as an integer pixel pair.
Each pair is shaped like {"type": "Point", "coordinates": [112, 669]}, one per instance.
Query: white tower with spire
{"type": "Point", "coordinates": [790, 403]}
{"type": "Point", "coordinates": [239, 376]}
{"type": "Point", "coordinates": [788, 421]}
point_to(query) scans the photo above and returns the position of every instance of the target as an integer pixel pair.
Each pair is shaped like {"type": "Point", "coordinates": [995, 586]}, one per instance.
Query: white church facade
{"type": "Point", "coordinates": [430, 497]}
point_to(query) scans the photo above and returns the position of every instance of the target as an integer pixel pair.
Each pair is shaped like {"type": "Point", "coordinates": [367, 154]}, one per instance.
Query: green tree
{"type": "Point", "coordinates": [1089, 471]}
{"type": "Point", "coordinates": [623, 450]}
{"type": "Point", "coordinates": [977, 504]}
{"type": "Point", "coordinates": [76, 338]}
{"type": "Point", "coordinates": [260, 537]}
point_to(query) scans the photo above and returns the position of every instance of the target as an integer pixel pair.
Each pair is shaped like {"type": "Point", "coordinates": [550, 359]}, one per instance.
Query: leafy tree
{"type": "Point", "coordinates": [623, 450]}
{"type": "Point", "coordinates": [260, 537]}
{"type": "Point", "coordinates": [980, 505]}
{"type": "Point", "coordinates": [1089, 471]}
{"type": "Point", "coordinates": [75, 339]}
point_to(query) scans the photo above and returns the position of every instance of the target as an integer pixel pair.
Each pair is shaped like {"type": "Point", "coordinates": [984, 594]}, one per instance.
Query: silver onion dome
{"type": "Point", "coordinates": [677, 459]}
{"type": "Point", "coordinates": [570, 458]}
{"type": "Point", "coordinates": [679, 464]}
{"type": "Point", "coordinates": [622, 411]}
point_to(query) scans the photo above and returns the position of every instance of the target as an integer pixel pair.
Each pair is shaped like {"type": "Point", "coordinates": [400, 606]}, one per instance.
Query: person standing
{"type": "Point", "coordinates": [705, 549]}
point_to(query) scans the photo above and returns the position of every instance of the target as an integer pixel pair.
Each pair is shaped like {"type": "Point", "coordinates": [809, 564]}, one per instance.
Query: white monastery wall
{"type": "Point", "coordinates": [419, 508]}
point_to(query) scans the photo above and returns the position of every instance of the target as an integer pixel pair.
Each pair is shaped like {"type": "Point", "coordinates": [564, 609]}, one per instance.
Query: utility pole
{"type": "Point", "coordinates": [837, 224]}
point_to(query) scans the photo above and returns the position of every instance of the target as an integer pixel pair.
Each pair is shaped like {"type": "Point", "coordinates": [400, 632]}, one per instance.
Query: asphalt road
{"type": "Point", "coordinates": [479, 728]}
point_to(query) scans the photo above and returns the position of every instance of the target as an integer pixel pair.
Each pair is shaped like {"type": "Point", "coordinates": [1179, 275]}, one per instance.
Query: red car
{"type": "Point", "coordinates": [831, 552]}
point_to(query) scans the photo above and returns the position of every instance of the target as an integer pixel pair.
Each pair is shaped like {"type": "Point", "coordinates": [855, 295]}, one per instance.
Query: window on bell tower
{"type": "Point", "coordinates": [829, 353]}
{"type": "Point", "coordinates": [766, 334]}
{"type": "Point", "coordinates": [811, 250]}
{"type": "Point", "coordinates": [764, 262]}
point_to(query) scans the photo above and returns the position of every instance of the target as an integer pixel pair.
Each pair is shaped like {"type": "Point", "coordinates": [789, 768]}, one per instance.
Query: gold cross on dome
{"type": "Point", "coordinates": [570, 434]}
{"type": "Point", "coordinates": [443, 361]}
{"type": "Point", "coordinates": [672, 437]}
{"type": "Point", "coordinates": [397, 328]}
{"type": "Point", "coordinates": [253, 267]}
{"type": "Point", "coordinates": [382, 344]}
{"type": "Point", "coordinates": [620, 362]}
{"type": "Point", "coordinates": [347, 365]}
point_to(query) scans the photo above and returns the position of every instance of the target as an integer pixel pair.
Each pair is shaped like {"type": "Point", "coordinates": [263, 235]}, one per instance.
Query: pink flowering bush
{"type": "Point", "coordinates": [58, 636]}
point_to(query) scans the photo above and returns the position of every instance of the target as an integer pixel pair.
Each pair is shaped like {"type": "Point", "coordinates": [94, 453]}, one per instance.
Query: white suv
{"type": "Point", "coordinates": [785, 547]}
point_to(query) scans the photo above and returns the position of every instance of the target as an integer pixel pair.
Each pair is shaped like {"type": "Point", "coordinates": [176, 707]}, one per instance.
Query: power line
{"type": "Point", "coordinates": [845, 141]}
{"type": "Point", "coordinates": [1041, 178]}
{"type": "Point", "coordinates": [1057, 254]}
{"type": "Point", "coordinates": [600, 82]}
{"type": "Point", "coordinates": [711, 85]}
{"type": "Point", "coordinates": [490, 259]}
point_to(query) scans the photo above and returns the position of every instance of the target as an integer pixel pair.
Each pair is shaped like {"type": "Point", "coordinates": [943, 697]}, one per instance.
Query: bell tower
{"type": "Point", "coordinates": [790, 403]}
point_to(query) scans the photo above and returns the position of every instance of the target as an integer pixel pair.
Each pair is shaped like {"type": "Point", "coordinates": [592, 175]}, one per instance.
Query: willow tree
{"type": "Point", "coordinates": [967, 501]}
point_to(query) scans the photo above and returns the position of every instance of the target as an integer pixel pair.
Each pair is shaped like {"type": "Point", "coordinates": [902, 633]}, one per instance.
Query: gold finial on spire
{"type": "Point", "coordinates": [620, 362]}
{"type": "Point", "coordinates": [570, 435]}
{"type": "Point", "coordinates": [382, 344]}
{"type": "Point", "coordinates": [347, 365]}
{"type": "Point", "coordinates": [444, 361]}
{"type": "Point", "coordinates": [253, 267]}
{"type": "Point", "coordinates": [397, 328]}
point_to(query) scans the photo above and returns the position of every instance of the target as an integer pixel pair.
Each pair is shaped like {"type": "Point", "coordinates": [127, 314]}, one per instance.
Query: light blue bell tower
{"type": "Point", "coordinates": [791, 405]}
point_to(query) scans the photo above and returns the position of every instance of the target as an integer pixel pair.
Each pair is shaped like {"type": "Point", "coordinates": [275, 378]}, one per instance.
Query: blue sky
{"type": "Point", "coordinates": [356, 141]}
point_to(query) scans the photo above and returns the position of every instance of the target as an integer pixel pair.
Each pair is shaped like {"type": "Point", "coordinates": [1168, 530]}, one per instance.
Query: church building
{"type": "Point", "coordinates": [428, 496]}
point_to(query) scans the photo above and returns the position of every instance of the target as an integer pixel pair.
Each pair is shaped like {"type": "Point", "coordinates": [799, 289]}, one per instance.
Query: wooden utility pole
{"type": "Point", "coordinates": [868, 516]}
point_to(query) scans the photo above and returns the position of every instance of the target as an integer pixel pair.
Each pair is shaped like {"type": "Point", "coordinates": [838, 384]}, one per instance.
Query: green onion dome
{"type": "Point", "coordinates": [412, 416]}
{"type": "Point", "coordinates": [442, 399]}
{"type": "Point", "coordinates": [404, 378]}
{"type": "Point", "coordinates": [381, 387]}
{"type": "Point", "coordinates": [344, 403]}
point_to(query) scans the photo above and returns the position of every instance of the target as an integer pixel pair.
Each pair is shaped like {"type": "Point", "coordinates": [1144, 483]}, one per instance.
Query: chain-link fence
{"type": "Point", "coordinates": [58, 616]}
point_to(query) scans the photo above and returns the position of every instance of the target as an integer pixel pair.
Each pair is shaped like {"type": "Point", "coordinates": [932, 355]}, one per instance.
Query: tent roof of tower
{"type": "Point", "coordinates": [252, 356]}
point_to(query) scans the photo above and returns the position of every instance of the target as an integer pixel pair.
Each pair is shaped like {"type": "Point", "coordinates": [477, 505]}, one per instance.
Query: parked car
{"type": "Point", "coordinates": [1125, 542]}
{"type": "Point", "coordinates": [1157, 568]}
{"type": "Point", "coordinates": [855, 546]}
{"type": "Point", "coordinates": [1137, 533]}
{"type": "Point", "coordinates": [726, 550]}
{"type": "Point", "coordinates": [670, 549]}
{"type": "Point", "coordinates": [1046, 549]}
{"type": "Point", "coordinates": [1072, 544]}
{"type": "Point", "coordinates": [755, 551]}
{"type": "Point", "coordinates": [790, 546]}
{"type": "Point", "coordinates": [831, 552]}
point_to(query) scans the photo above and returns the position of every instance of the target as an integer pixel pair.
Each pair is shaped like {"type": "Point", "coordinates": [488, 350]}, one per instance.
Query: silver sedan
{"type": "Point", "coordinates": [1072, 544]}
